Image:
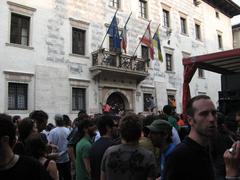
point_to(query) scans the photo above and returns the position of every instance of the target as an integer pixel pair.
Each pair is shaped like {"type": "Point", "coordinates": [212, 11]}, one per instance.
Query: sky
{"type": "Point", "coordinates": [236, 19]}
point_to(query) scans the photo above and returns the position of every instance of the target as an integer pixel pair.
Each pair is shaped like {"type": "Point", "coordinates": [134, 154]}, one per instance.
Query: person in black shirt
{"type": "Point", "coordinates": [13, 166]}
{"type": "Point", "coordinates": [191, 159]}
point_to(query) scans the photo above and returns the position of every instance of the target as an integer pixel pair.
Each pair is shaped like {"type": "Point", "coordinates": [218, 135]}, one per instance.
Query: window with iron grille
{"type": "Point", "coordinates": [78, 99]}
{"type": "Point", "coordinates": [115, 3]}
{"type": "Point", "coordinates": [169, 62]}
{"type": "Point", "coordinates": [143, 8]}
{"type": "Point", "coordinates": [198, 31]}
{"type": "Point", "coordinates": [220, 46]}
{"type": "Point", "coordinates": [17, 96]}
{"type": "Point", "coordinates": [166, 19]}
{"type": "Point", "coordinates": [19, 33]}
{"type": "Point", "coordinates": [183, 25]}
{"type": "Point", "coordinates": [146, 101]}
{"type": "Point", "coordinates": [78, 41]}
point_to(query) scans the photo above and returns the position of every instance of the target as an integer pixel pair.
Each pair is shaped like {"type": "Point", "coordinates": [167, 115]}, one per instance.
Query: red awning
{"type": "Point", "coordinates": [224, 62]}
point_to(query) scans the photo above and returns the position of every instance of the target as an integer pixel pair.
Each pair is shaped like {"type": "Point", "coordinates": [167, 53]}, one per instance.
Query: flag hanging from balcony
{"type": "Point", "coordinates": [147, 40]}
{"type": "Point", "coordinates": [124, 36]}
{"type": "Point", "coordinates": [114, 33]}
{"type": "Point", "coordinates": [157, 44]}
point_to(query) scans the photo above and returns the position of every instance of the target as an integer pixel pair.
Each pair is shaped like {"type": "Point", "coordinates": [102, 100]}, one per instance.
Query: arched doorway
{"type": "Point", "coordinates": [116, 101]}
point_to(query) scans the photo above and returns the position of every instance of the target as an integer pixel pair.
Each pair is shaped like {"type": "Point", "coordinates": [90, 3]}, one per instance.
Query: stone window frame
{"type": "Point", "coordinates": [168, 50]}
{"type": "Point", "coordinates": [146, 13]}
{"type": "Point", "coordinates": [24, 78]}
{"type": "Point", "coordinates": [167, 8]}
{"type": "Point", "coordinates": [220, 39]}
{"type": "Point", "coordinates": [185, 17]}
{"type": "Point", "coordinates": [201, 73]}
{"type": "Point", "coordinates": [79, 83]}
{"type": "Point", "coordinates": [198, 23]}
{"type": "Point", "coordinates": [117, 2]}
{"type": "Point", "coordinates": [82, 25]}
{"type": "Point", "coordinates": [24, 11]}
{"type": "Point", "coordinates": [147, 90]}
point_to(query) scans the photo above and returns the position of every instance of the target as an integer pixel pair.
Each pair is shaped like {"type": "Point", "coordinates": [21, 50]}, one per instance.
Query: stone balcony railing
{"type": "Point", "coordinates": [103, 60]}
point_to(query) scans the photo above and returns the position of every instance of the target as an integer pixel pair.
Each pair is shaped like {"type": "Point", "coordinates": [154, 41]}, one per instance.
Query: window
{"type": "Point", "coordinates": [220, 46]}
{"type": "Point", "coordinates": [78, 41]}
{"type": "Point", "coordinates": [17, 96]}
{"type": "Point", "coordinates": [111, 44]}
{"type": "Point", "coordinates": [145, 53]}
{"type": "Point", "coordinates": [146, 101]}
{"type": "Point", "coordinates": [200, 73]}
{"type": "Point", "coordinates": [198, 31]}
{"type": "Point", "coordinates": [78, 99]}
{"type": "Point", "coordinates": [217, 14]}
{"type": "Point", "coordinates": [196, 2]}
{"type": "Point", "coordinates": [115, 3]}
{"type": "Point", "coordinates": [183, 25]}
{"type": "Point", "coordinates": [143, 8]}
{"type": "Point", "coordinates": [166, 19]}
{"type": "Point", "coordinates": [171, 100]}
{"type": "Point", "coordinates": [19, 29]}
{"type": "Point", "coordinates": [169, 62]}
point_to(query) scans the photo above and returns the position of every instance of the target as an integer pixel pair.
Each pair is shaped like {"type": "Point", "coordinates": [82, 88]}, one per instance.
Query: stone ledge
{"type": "Point", "coordinates": [19, 46]}
{"type": "Point", "coordinates": [79, 56]}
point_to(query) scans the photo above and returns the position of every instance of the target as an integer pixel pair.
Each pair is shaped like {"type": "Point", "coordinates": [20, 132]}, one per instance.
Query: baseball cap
{"type": "Point", "coordinates": [160, 126]}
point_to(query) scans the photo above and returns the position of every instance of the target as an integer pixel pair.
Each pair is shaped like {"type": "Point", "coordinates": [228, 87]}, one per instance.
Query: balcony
{"type": "Point", "coordinates": [106, 61]}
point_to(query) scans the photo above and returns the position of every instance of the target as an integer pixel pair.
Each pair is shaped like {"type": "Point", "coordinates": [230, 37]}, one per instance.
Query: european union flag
{"type": "Point", "coordinates": [114, 33]}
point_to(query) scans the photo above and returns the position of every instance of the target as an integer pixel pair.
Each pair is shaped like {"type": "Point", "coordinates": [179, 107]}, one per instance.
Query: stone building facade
{"type": "Point", "coordinates": [50, 56]}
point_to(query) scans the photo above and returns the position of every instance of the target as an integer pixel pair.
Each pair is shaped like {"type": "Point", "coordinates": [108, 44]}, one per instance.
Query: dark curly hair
{"type": "Point", "coordinates": [130, 128]}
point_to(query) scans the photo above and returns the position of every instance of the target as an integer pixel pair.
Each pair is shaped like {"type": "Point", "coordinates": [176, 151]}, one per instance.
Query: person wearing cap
{"type": "Point", "coordinates": [191, 159]}
{"type": "Point", "coordinates": [161, 137]}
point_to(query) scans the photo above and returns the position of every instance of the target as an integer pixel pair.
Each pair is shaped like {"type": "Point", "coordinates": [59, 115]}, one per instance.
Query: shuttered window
{"type": "Point", "coordinates": [19, 33]}
{"type": "Point", "coordinates": [78, 41]}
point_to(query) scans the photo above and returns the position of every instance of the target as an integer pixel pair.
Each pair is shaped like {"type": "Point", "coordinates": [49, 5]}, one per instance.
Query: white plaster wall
{"type": "Point", "coordinates": [51, 42]}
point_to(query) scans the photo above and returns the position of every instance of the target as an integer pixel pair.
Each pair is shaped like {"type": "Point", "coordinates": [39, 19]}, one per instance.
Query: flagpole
{"type": "Point", "coordinates": [157, 29]}
{"type": "Point", "coordinates": [141, 40]}
{"type": "Point", "coordinates": [107, 31]}
{"type": "Point", "coordinates": [126, 22]}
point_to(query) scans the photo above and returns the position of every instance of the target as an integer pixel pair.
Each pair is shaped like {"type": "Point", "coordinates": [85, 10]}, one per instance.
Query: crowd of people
{"type": "Point", "coordinates": [199, 145]}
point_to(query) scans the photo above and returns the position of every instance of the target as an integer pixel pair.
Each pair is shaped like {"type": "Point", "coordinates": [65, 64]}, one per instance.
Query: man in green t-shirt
{"type": "Point", "coordinates": [86, 129]}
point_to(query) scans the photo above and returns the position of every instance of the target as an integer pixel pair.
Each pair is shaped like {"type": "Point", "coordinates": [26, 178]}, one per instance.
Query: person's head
{"type": "Point", "coordinates": [81, 113]}
{"type": "Point", "coordinates": [67, 121]}
{"type": "Point", "coordinates": [7, 131]}
{"type": "Point", "coordinates": [41, 119]}
{"type": "Point", "coordinates": [105, 125]}
{"type": "Point", "coordinates": [86, 127]}
{"type": "Point", "coordinates": [35, 146]}
{"type": "Point", "coordinates": [167, 109]}
{"type": "Point", "coordinates": [130, 128]}
{"type": "Point", "coordinates": [202, 116]}
{"type": "Point", "coordinates": [59, 120]}
{"type": "Point", "coordinates": [49, 127]}
{"type": "Point", "coordinates": [16, 119]}
{"type": "Point", "coordinates": [147, 121]}
{"type": "Point", "coordinates": [26, 128]}
{"type": "Point", "coordinates": [160, 133]}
